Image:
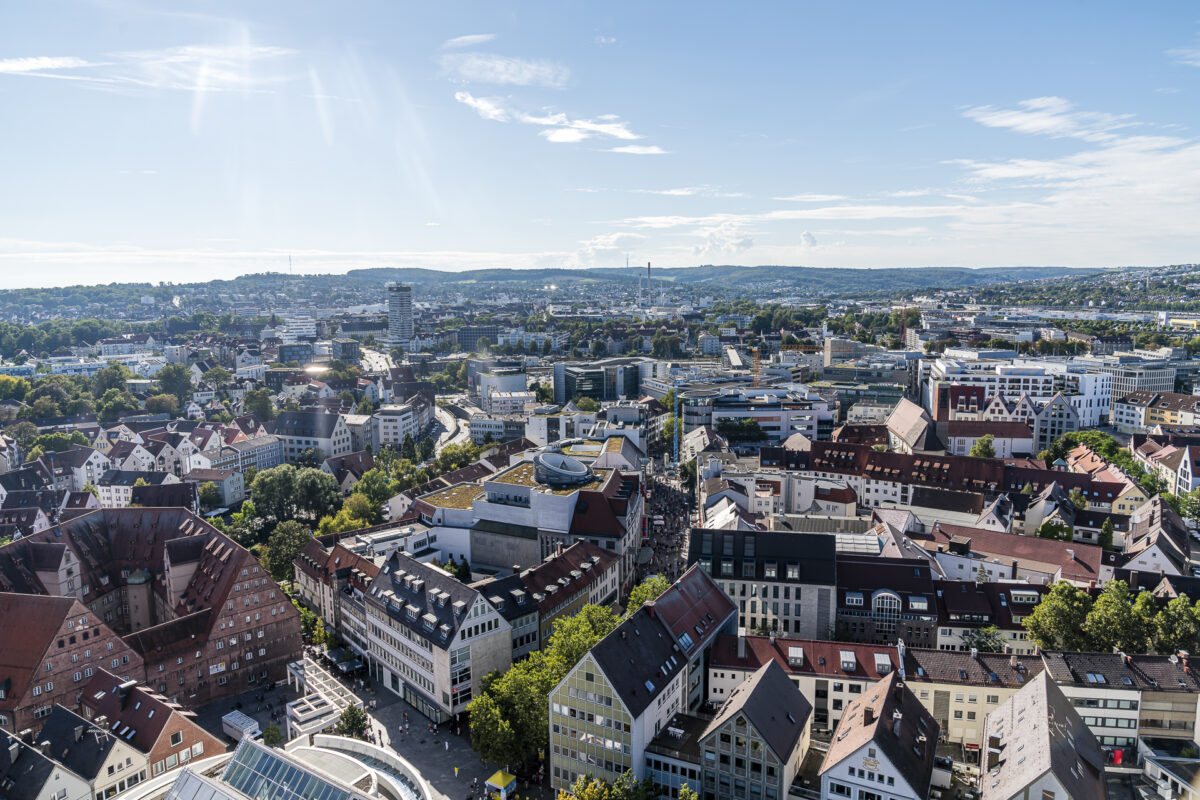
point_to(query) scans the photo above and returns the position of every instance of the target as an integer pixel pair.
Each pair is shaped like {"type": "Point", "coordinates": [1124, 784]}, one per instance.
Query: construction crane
{"type": "Point", "coordinates": [757, 365]}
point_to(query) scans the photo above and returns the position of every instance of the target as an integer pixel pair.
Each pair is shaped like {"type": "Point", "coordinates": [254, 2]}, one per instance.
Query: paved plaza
{"type": "Point", "coordinates": [434, 754]}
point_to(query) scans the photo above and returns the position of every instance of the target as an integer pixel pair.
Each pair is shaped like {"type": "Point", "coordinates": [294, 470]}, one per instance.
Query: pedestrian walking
{"type": "Point", "coordinates": [447, 745]}
{"type": "Point", "coordinates": [455, 767]}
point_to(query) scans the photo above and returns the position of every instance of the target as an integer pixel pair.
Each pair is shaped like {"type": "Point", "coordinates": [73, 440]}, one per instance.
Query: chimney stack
{"type": "Point", "coordinates": [772, 638]}
{"type": "Point", "coordinates": [741, 634]}
{"type": "Point", "coordinates": [1071, 553]}
{"type": "Point", "coordinates": [868, 715]}
{"type": "Point", "coordinates": [78, 732]}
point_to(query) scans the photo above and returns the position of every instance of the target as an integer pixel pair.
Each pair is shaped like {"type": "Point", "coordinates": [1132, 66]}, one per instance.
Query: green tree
{"type": "Point", "coordinates": [319, 636]}
{"type": "Point", "coordinates": [1057, 621]}
{"type": "Point", "coordinates": [426, 448]}
{"type": "Point", "coordinates": [463, 569]}
{"type": "Point", "coordinates": [984, 447]}
{"type": "Point", "coordinates": [1190, 506]}
{"type": "Point", "coordinates": [308, 620]}
{"type": "Point", "coordinates": [113, 376]}
{"type": "Point", "coordinates": [13, 387]}
{"type": "Point", "coordinates": [1052, 529]}
{"type": "Point", "coordinates": [273, 491]}
{"type": "Point", "coordinates": [162, 404]}
{"type": "Point", "coordinates": [357, 512]}
{"type": "Point", "coordinates": [510, 719]}
{"type": "Point", "coordinates": [272, 736]}
{"type": "Point", "coordinates": [59, 441]}
{"type": "Point", "coordinates": [310, 458]}
{"type": "Point", "coordinates": [258, 402]}
{"type": "Point", "coordinates": [210, 495]}
{"type": "Point", "coordinates": [90, 488]}
{"type": "Point", "coordinates": [353, 722]}
{"type": "Point", "coordinates": [408, 448]}
{"type": "Point", "coordinates": [1106, 534]}
{"type": "Point", "coordinates": [1177, 627]}
{"type": "Point", "coordinates": [1111, 622]}
{"type": "Point", "coordinates": [177, 380]}
{"type": "Point", "coordinates": [286, 542]}
{"type": "Point", "coordinates": [587, 405]}
{"type": "Point", "coordinates": [375, 486]}
{"type": "Point", "coordinates": [456, 456]}
{"type": "Point", "coordinates": [646, 591]}
{"type": "Point", "coordinates": [116, 402]}
{"type": "Point", "coordinates": [217, 376]}
{"type": "Point", "coordinates": [24, 433]}
{"type": "Point", "coordinates": [317, 493]}
{"type": "Point", "coordinates": [1078, 500]}
{"type": "Point", "coordinates": [988, 639]}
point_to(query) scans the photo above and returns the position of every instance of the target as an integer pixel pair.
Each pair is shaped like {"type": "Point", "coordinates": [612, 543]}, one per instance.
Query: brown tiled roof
{"type": "Point", "coordinates": [1048, 555]}
{"type": "Point", "coordinates": [818, 657]}
{"type": "Point", "coordinates": [28, 624]}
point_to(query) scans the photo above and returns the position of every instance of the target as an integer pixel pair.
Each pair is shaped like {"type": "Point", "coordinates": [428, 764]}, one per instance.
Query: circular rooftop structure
{"type": "Point", "coordinates": [557, 469]}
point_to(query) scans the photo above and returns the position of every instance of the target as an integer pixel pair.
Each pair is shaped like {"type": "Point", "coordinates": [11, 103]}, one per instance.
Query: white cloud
{"type": "Point", "coordinates": [37, 64]}
{"type": "Point", "coordinates": [504, 70]}
{"type": "Point", "coordinates": [240, 66]}
{"type": "Point", "coordinates": [1167, 90]}
{"type": "Point", "coordinates": [485, 107]}
{"type": "Point", "coordinates": [909, 193]}
{"type": "Point", "coordinates": [725, 238]}
{"type": "Point", "coordinates": [689, 191]}
{"type": "Point", "coordinates": [1052, 116]}
{"type": "Point", "coordinates": [608, 248]}
{"type": "Point", "coordinates": [808, 240]}
{"type": "Point", "coordinates": [564, 135]}
{"type": "Point", "coordinates": [605, 40]}
{"type": "Point", "coordinates": [1188, 56]}
{"type": "Point", "coordinates": [559, 128]}
{"type": "Point", "coordinates": [639, 150]}
{"type": "Point", "coordinates": [810, 198]}
{"type": "Point", "coordinates": [433, 224]}
{"type": "Point", "coordinates": [470, 40]}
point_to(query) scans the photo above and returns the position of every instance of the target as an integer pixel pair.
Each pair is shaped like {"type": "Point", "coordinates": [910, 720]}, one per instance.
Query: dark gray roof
{"type": "Point", "coordinates": [772, 704]}
{"type": "Point", "coordinates": [23, 478]}
{"type": "Point", "coordinates": [76, 743]}
{"type": "Point", "coordinates": [509, 596]}
{"type": "Point", "coordinates": [310, 424]}
{"type": "Point", "coordinates": [128, 477]}
{"type": "Point", "coordinates": [23, 770]}
{"type": "Point", "coordinates": [814, 555]}
{"type": "Point", "coordinates": [639, 658]}
{"type": "Point", "coordinates": [1036, 731]}
{"type": "Point", "coordinates": [422, 598]}
{"type": "Point", "coordinates": [167, 495]}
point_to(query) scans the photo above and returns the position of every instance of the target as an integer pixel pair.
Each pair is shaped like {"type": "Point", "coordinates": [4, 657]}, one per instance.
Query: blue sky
{"type": "Point", "coordinates": [178, 141]}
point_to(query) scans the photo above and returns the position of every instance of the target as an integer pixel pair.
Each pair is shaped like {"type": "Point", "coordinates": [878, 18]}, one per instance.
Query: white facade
{"type": "Point", "coordinates": [498, 403]}
{"type": "Point", "coordinates": [867, 774]}
{"type": "Point", "coordinates": [394, 422]}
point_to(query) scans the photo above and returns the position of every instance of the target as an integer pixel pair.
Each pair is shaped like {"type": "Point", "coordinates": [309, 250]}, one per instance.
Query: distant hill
{"type": "Point", "coordinates": [814, 279]}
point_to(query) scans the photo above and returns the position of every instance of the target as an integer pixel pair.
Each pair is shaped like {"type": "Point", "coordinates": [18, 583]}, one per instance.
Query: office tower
{"type": "Point", "coordinates": [400, 320]}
